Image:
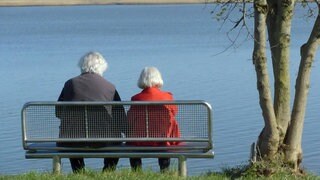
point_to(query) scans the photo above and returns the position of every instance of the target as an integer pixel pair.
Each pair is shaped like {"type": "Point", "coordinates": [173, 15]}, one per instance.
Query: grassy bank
{"type": "Point", "coordinates": [126, 174]}
{"type": "Point", "coordinates": [117, 175]}
{"type": "Point", "coordinates": [97, 2]}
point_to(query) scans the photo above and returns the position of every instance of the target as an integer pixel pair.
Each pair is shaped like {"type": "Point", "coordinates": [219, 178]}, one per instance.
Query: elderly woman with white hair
{"type": "Point", "coordinates": [90, 86]}
{"type": "Point", "coordinates": [161, 119]}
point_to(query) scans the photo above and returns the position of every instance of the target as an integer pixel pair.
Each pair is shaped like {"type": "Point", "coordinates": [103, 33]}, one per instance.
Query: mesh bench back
{"type": "Point", "coordinates": [114, 122]}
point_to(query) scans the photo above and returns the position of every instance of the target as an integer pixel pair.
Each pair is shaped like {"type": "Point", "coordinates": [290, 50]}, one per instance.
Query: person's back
{"type": "Point", "coordinates": [89, 87]}
{"type": "Point", "coordinates": [152, 120]}
{"type": "Point", "coordinates": [98, 121]}
{"type": "Point", "coordinates": [160, 117]}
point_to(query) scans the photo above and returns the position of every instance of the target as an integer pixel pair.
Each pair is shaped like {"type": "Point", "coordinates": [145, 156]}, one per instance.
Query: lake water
{"type": "Point", "coordinates": [40, 47]}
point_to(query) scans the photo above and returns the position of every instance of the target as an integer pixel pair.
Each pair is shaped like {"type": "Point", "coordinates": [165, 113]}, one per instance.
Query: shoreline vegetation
{"type": "Point", "coordinates": [95, 2]}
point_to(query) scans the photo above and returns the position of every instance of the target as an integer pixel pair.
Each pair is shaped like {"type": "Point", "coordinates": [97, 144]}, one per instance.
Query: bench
{"type": "Point", "coordinates": [45, 132]}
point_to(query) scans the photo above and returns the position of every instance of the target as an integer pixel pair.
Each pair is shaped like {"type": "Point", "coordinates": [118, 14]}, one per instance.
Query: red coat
{"type": "Point", "coordinates": [161, 119]}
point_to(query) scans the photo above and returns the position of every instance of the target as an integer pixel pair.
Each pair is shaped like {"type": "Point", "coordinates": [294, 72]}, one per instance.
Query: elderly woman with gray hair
{"type": "Point", "coordinates": [90, 86]}
{"type": "Point", "coordinates": [161, 119]}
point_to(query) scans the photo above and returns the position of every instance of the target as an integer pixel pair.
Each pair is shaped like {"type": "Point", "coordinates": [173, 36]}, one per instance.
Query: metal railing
{"type": "Point", "coordinates": [113, 121]}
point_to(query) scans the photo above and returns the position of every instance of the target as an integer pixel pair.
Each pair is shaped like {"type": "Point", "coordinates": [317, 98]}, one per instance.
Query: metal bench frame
{"type": "Point", "coordinates": [190, 148]}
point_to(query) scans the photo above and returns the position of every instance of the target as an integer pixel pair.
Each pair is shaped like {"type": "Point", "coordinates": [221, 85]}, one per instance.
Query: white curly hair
{"type": "Point", "coordinates": [93, 62]}
{"type": "Point", "coordinates": [150, 77]}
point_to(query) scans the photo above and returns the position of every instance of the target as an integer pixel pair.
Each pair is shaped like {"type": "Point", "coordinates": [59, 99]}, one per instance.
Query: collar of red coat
{"type": "Point", "coordinates": [148, 89]}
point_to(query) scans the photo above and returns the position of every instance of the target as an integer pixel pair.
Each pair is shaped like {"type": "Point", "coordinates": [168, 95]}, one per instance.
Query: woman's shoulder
{"type": "Point", "coordinates": [165, 95]}
{"type": "Point", "coordinates": [152, 94]}
{"type": "Point", "coordinates": [136, 97]}
{"type": "Point", "coordinates": [169, 94]}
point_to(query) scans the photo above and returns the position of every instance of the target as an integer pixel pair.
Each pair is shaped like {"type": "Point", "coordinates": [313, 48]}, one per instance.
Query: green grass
{"type": "Point", "coordinates": [124, 174]}
{"type": "Point", "coordinates": [267, 170]}
{"type": "Point", "coordinates": [258, 171]}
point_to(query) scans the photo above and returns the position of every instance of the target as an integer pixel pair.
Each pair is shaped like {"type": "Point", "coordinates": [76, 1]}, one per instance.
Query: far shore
{"type": "Point", "coordinates": [95, 2]}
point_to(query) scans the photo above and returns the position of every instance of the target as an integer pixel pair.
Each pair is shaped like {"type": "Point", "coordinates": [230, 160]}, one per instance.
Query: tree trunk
{"type": "Point", "coordinates": [282, 17]}
{"type": "Point", "coordinates": [293, 150]}
{"type": "Point", "coordinates": [269, 138]}
{"type": "Point", "coordinates": [281, 136]}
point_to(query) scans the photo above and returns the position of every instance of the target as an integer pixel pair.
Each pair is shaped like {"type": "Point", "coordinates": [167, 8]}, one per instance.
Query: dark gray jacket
{"type": "Point", "coordinates": [94, 121]}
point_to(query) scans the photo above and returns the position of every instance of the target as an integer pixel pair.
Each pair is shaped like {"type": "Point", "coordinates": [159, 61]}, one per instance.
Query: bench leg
{"type": "Point", "coordinates": [56, 164]}
{"type": "Point", "coordinates": [182, 166]}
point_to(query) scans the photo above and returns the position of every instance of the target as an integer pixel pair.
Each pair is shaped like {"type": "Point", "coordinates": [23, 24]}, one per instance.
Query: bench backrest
{"type": "Point", "coordinates": [97, 124]}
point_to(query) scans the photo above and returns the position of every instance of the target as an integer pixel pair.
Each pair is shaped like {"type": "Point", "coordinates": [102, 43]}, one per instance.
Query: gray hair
{"type": "Point", "coordinates": [93, 62]}
{"type": "Point", "coordinates": [150, 77]}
